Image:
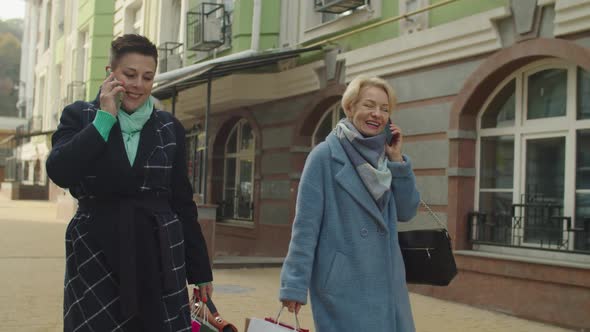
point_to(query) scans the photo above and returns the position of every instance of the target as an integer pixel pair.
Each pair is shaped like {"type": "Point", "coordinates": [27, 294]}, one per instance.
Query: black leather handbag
{"type": "Point", "coordinates": [428, 256]}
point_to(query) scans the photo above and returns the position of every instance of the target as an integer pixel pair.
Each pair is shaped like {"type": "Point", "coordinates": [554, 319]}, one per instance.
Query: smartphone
{"type": "Point", "coordinates": [390, 138]}
{"type": "Point", "coordinates": [119, 96]}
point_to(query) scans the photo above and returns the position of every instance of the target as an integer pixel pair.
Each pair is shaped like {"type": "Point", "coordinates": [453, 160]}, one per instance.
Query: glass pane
{"type": "Point", "coordinates": [230, 172]}
{"type": "Point", "coordinates": [229, 190]}
{"type": "Point", "coordinates": [231, 145]}
{"type": "Point", "coordinates": [583, 160]}
{"type": "Point", "coordinates": [543, 199]}
{"type": "Point", "coordinates": [500, 112]}
{"type": "Point", "coordinates": [324, 129]}
{"type": "Point", "coordinates": [582, 234]}
{"type": "Point", "coordinates": [247, 140]}
{"type": "Point", "coordinates": [496, 226]}
{"type": "Point", "coordinates": [199, 172]}
{"type": "Point", "coordinates": [497, 162]}
{"type": "Point", "coordinates": [547, 94]}
{"type": "Point", "coordinates": [228, 204]}
{"type": "Point", "coordinates": [190, 160]}
{"type": "Point", "coordinates": [245, 190]}
{"type": "Point", "coordinates": [583, 94]}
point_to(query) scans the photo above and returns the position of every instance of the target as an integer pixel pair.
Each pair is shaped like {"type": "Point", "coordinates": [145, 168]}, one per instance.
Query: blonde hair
{"type": "Point", "coordinates": [353, 90]}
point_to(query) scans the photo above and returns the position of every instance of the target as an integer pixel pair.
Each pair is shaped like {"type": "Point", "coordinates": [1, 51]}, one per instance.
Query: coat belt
{"type": "Point", "coordinates": [127, 252]}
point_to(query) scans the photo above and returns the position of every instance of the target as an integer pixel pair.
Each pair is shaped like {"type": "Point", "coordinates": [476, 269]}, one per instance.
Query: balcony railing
{"type": "Point", "coordinates": [206, 26]}
{"type": "Point", "coordinates": [170, 56]}
{"type": "Point", "coordinates": [532, 225]}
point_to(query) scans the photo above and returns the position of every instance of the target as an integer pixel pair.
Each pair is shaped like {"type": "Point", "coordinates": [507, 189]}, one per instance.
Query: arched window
{"type": "Point", "coordinates": [239, 173]}
{"type": "Point", "coordinates": [533, 152]}
{"type": "Point", "coordinates": [327, 123]}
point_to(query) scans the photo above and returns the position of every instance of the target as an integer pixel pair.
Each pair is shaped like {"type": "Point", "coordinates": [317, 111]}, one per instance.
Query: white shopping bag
{"type": "Point", "coordinates": [273, 325]}
{"type": "Point", "coordinates": [261, 325]}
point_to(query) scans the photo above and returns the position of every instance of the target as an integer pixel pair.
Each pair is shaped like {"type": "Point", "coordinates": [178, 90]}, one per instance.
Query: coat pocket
{"type": "Point", "coordinates": [338, 276]}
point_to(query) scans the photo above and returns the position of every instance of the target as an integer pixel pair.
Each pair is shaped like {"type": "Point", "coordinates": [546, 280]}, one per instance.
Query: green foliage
{"type": "Point", "coordinates": [10, 52]}
{"type": "Point", "coordinates": [14, 26]}
{"type": "Point", "coordinates": [10, 49]}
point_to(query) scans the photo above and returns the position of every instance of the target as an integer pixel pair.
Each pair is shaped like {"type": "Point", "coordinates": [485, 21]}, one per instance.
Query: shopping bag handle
{"type": "Point", "coordinates": [297, 326]}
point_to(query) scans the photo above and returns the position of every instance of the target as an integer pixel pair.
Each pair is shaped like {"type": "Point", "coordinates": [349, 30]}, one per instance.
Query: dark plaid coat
{"type": "Point", "coordinates": [150, 202]}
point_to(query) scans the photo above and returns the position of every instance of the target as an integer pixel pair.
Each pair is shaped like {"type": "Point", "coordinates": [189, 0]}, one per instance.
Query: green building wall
{"type": "Point", "coordinates": [241, 26]}
{"type": "Point", "coordinates": [390, 8]}
{"type": "Point", "coordinates": [97, 17]}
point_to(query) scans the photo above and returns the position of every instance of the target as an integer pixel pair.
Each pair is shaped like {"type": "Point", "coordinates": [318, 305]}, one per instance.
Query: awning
{"type": "Point", "coordinates": [218, 68]}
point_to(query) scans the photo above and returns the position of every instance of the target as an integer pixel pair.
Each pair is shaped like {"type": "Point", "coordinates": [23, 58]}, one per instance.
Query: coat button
{"type": "Point", "coordinates": [364, 232]}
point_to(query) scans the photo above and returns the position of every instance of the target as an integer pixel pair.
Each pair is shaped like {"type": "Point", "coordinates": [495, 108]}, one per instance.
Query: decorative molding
{"type": "Point", "coordinates": [571, 16]}
{"type": "Point", "coordinates": [523, 13]}
{"type": "Point", "coordinates": [464, 172]}
{"type": "Point", "coordinates": [542, 3]}
{"type": "Point", "coordinates": [463, 38]}
{"type": "Point", "coordinates": [461, 134]}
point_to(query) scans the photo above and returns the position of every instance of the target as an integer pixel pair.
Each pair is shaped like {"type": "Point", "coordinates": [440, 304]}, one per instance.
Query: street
{"type": "Point", "coordinates": [32, 256]}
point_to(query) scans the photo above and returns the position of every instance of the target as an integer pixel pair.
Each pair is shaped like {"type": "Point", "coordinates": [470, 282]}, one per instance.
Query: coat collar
{"type": "Point", "coordinates": [348, 178]}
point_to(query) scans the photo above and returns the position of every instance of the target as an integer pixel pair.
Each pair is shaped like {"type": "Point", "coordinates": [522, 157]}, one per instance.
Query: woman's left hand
{"type": "Point", "coordinates": [394, 151]}
{"type": "Point", "coordinates": [206, 290]}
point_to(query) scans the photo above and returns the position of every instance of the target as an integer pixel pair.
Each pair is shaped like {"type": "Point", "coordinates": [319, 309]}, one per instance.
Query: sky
{"type": "Point", "coordinates": [12, 9]}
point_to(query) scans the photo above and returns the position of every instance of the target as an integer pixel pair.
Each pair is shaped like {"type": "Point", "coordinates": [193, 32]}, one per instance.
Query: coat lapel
{"type": "Point", "coordinates": [148, 138]}
{"type": "Point", "coordinates": [348, 178]}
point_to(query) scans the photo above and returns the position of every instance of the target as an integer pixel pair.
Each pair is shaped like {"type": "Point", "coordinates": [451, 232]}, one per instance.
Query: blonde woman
{"type": "Point", "coordinates": [354, 189]}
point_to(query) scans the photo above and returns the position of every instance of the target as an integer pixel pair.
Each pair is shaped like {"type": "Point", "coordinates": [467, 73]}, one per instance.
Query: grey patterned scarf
{"type": "Point", "coordinates": [367, 155]}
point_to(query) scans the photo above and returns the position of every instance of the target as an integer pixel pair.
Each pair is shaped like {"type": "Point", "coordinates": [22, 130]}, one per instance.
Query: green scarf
{"type": "Point", "coordinates": [131, 125]}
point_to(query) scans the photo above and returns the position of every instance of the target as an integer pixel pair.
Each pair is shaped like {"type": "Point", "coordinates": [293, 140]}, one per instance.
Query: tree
{"type": "Point", "coordinates": [10, 53]}
{"type": "Point", "coordinates": [10, 49]}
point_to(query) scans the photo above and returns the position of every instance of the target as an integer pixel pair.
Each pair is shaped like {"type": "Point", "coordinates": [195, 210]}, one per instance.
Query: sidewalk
{"type": "Point", "coordinates": [32, 258]}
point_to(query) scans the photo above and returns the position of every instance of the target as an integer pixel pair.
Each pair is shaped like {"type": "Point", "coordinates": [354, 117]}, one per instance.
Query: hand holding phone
{"type": "Point", "coordinates": [111, 93]}
{"type": "Point", "coordinates": [390, 138]}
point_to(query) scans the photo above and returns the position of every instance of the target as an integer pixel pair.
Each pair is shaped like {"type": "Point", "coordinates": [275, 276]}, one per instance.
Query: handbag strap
{"type": "Point", "coordinates": [434, 216]}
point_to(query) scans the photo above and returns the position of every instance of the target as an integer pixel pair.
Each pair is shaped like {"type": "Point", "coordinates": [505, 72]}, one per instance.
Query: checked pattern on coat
{"type": "Point", "coordinates": [91, 292]}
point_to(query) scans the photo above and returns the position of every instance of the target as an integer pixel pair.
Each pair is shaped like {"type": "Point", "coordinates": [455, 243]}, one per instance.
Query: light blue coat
{"type": "Point", "coordinates": [345, 250]}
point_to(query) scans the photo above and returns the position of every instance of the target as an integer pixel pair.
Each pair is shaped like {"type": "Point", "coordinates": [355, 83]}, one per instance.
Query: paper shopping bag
{"type": "Point", "coordinates": [273, 325]}
{"type": "Point", "coordinates": [199, 315]}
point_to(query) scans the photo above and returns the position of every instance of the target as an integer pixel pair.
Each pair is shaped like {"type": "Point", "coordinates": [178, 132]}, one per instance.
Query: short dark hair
{"type": "Point", "coordinates": [132, 43]}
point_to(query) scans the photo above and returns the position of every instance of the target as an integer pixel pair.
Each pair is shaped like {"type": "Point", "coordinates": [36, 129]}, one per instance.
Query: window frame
{"type": "Point", "coordinates": [248, 154]}
{"type": "Point", "coordinates": [524, 130]}
{"type": "Point", "coordinates": [334, 112]}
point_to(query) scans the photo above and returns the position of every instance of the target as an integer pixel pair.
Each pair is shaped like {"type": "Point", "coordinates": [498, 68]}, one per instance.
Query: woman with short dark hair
{"type": "Point", "coordinates": [135, 240]}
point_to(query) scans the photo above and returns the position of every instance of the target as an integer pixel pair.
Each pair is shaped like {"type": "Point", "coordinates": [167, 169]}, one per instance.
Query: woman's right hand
{"type": "Point", "coordinates": [293, 306]}
{"type": "Point", "coordinates": [108, 94]}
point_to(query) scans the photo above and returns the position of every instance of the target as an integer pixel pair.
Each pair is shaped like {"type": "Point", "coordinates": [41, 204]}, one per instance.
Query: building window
{"type": "Point", "coordinates": [238, 175]}
{"type": "Point", "coordinates": [48, 16]}
{"type": "Point", "coordinates": [195, 146]}
{"type": "Point", "coordinates": [327, 123]}
{"type": "Point", "coordinates": [533, 142]}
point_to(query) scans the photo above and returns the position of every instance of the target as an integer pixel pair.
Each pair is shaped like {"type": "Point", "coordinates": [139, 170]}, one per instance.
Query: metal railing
{"type": "Point", "coordinates": [206, 25]}
{"type": "Point", "coordinates": [533, 226]}
{"type": "Point", "coordinates": [170, 56]}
